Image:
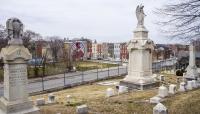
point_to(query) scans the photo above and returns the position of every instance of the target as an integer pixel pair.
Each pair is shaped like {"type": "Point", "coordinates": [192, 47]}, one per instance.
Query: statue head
{"type": "Point", "coordinates": [14, 28]}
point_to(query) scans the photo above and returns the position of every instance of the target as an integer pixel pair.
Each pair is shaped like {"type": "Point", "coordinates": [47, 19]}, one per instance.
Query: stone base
{"type": "Point", "coordinates": [192, 73]}
{"type": "Point", "coordinates": [138, 86]}
{"type": "Point", "coordinates": [17, 107]}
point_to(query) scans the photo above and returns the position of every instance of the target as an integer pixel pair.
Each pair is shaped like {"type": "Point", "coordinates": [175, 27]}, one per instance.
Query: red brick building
{"type": "Point", "coordinates": [124, 52]}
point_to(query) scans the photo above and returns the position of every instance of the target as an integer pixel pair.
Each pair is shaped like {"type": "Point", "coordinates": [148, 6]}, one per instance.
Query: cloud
{"type": "Point", "coordinates": [104, 20]}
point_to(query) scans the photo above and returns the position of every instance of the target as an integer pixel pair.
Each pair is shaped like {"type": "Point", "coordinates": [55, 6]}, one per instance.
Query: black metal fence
{"type": "Point", "coordinates": [75, 78]}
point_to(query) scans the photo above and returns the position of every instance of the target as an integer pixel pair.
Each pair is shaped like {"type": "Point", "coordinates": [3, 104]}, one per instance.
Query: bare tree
{"type": "Point", "coordinates": [181, 19]}
{"type": "Point", "coordinates": [56, 45]}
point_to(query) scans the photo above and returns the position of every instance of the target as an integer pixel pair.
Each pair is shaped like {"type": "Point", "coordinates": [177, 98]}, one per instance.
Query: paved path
{"type": "Point", "coordinates": [56, 81]}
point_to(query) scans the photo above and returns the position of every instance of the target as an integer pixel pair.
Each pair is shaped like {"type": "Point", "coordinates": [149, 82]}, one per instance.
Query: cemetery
{"type": "Point", "coordinates": [137, 91]}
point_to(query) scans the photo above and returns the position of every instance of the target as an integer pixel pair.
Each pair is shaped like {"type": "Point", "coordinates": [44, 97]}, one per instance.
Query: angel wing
{"type": "Point", "coordinates": [137, 12]}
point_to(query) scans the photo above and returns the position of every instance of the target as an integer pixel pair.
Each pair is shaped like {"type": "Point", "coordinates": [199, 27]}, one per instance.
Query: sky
{"type": "Point", "coordinates": [103, 20]}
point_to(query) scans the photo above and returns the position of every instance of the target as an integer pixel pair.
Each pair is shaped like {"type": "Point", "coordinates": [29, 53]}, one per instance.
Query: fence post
{"type": "Point", "coordinates": [64, 79]}
{"type": "Point", "coordinates": [118, 69]}
{"type": "Point", "coordinates": [82, 76]}
{"type": "Point", "coordinates": [97, 73]}
{"type": "Point", "coordinates": [108, 71]}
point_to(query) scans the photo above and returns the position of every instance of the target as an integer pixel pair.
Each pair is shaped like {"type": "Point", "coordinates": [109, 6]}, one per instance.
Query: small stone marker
{"type": "Point", "coordinates": [40, 102]}
{"type": "Point", "coordinates": [189, 85]}
{"type": "Point", "coordinates": [155, 99]}
{"type": "Point", "coordinates": [51, 98]}
{"type": "Point", "coordinates": [110, 92]}
{"type": "Point", "coordinates": [122, 89]}
{"type": "Point", "coordinates": [162, 78]}
{"type": "Point", "coordinates": [172, 88]}
{"type": "Point", "coordinates": [82, 109]}
{"type": "Point", "coordinates": [160, 109]}
{"type": "Point", "coordinates": [182, 87]}
{"type": "Point", "coordinates": [68, 98]}
{"type": "Point", "coordinates": [162, 91]}
{"type": "Point", "coordinates": [194, 84]}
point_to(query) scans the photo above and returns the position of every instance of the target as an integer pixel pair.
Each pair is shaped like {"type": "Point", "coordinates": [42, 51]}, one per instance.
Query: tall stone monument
{"type": "Point", "coordinates": [140, 57]}
{"type": "Point", "coordinates": [192, 72]}
{"type": "Point", "coordinates": [15, 56]}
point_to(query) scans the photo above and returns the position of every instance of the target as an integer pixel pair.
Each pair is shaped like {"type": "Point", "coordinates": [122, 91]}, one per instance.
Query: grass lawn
{"type": "Point", "coordinates": [134, 102]}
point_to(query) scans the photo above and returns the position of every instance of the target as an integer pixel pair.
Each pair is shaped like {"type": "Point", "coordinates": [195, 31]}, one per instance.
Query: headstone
{"type": "Point", "coordinates": [160, 109]}
{"type": "Point", "coordinates": [110, 92]}
{"type": "Point", "coordinates": [51, 98]}
{"type": "Point", "coordinates": [172, 88]}
{"type": "Point", "coordinates": [68, 98]}
{"type": "Point", "coordinates": [15, 56]}
{"type": "Point", "coordinates": [189, 85]}
{"type": "Point", "coordinates": [194, 84]}
{"type": "Point", "coordinates": [191, 69]}
{"type": "Point", "coordinates": [155, 99]}
{"type": "Point", "coordinates": [162, 91]}
{"type": "Point", "coordinates": [40, 102]}
{"type": "Point", "coordinates": [83, 109]}
{"type": "Point", "coordinates": [162, 78]}
{"type": "Point", "coordinates": [122, 89]}
{"type": "Point", "coordinates": [182, 87]}
{"type": "Point", "coordinates": [140, 50]}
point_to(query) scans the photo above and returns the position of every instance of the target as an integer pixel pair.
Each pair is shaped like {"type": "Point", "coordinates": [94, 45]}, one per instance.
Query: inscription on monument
{"type": "Point", "coordinates": [17, 74]}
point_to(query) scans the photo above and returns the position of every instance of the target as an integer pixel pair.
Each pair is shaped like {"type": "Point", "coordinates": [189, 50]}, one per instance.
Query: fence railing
{"type": "Point", "coordinates": [76, 78]}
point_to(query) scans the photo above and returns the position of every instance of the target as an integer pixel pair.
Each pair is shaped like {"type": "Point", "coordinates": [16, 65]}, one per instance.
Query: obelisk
{"type": "Point", "coordinates": [191, 73]}
{"type": "Point", "coordinates": [140, 57]}
{"type": "Point", "coordinates": [15, 56]}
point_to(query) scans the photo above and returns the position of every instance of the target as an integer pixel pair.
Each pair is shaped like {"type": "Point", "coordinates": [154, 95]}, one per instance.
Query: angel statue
{"type": "Point", "coordinates": [15, 30]}
{"type": "Point", "coordinates": [140, 15]}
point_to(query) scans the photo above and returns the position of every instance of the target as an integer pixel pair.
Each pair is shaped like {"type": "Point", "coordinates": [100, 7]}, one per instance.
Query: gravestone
{"type": "Point", "coordinates": [40, 101]}
{"type": "Point", "coordinates": [162, 78]}
{"type": "Point", "coordinates": [155, 99]}
{"type": "Point", "coordinates": [82, 109]}
{"type": "Point", "coordinates": [162, 91]}
{"type": "Point", "coordinates": [194, 84]}
{"type": "Point", "coordinates": [172, 88]}
{"type": "Point", "coordinates": [189, 85]}
{"type": "Point", "coordinates": [140, 49]}
{"type": "Point", "coordinates": [182, 87]}
{"type": "Point", "coordinates": [110, 92]}
{"type": "Point", "coordinates": [122, 89]}
{"type": "Point", "coordinates": [15, 56]}
{"type": "Point", "coordinates": [51, 98]}
{"type": "Point", "coordinates": [160, 109]}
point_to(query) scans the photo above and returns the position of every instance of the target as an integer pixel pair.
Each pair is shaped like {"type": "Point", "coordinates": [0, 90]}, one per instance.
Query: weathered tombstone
{"type": "Point", "coordinates": [155, 99]}
{"type": "Point", "coordinates": [162, 91]}
{"type": "Point", "coordinates": [51, 98]}
{"type": "Point", "coordinates": [68, 98]}
{"type": "Point", "coordinates": [172, 88]}
{"type": "Point", "coordinates": [15, 56]}
{"type": "Point", "coordinates": [182, 87]}
{"type": "Point", "coordinates": [40, 102]}
{"type": "Point", "coordinates": [83, 109]}
{"type": "Point", "coordinates": [122, 89]}
{"type": "Point", "coordinates": [189, 85]}
{"type": "Point", "coordinates": [110, 92]}
{"type": "Point", "coordinates": [162, 78]}
{"type": "Point", "coordinates": [194, 84]}
{"type": "Point", "coordinates": [160, 109]}
{"type": "Point", "coordinates": [140, 49]}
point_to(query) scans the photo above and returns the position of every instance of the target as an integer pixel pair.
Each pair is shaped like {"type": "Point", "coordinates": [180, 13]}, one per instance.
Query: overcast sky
{"type": "Point", "coordinates": [104, 20]}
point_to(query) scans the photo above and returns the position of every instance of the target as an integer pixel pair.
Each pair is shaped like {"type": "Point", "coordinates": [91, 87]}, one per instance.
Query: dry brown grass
{"type": "Point", "coordinates": [134, 102]}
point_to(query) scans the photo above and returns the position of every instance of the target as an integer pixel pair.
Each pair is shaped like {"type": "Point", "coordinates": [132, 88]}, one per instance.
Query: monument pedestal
{"type": "Point", "coordinates": [140, 61]}
{"type": "Point", "coordinates": [192, 73]}
{"type": "Point", "coordinates": [15, 99]}
{"type": "Point", "coordinates": [17, 107]}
